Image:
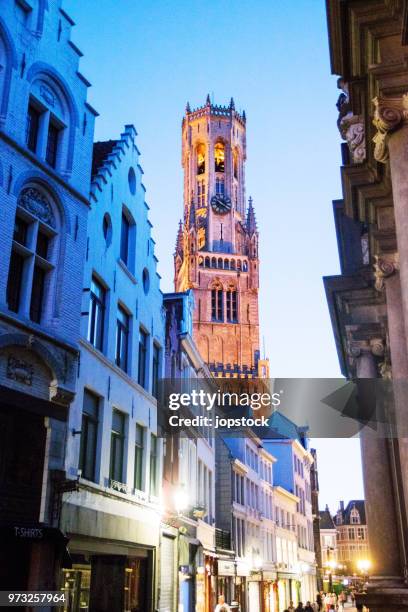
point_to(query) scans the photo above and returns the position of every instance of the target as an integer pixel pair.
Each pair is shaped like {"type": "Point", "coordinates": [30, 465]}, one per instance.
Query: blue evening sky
{"type": "Point", "coordinates": [146, 58]}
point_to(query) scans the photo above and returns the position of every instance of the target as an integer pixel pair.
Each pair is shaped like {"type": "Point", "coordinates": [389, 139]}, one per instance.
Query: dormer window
{"type": "Point", "coordinates": [219, 157]}
{"type": "Point", "coordinates": [355, 517]}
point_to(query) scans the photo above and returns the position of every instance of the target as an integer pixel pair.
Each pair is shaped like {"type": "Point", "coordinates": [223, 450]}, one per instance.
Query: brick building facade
{"type": "Point", "coordinates": [46, 134]}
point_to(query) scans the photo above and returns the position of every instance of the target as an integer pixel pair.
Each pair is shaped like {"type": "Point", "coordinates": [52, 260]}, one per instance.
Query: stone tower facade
{"type": "Point", "coordinates": [217, 243]}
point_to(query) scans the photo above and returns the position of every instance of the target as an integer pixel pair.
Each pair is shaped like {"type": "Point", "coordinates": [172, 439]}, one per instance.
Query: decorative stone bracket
{"type": "Point", "coordinates": [384, 267]}
{"type": "Point", "coordinates": [352, 130]}
{"type": "Point", "coordinates": [389, 115]}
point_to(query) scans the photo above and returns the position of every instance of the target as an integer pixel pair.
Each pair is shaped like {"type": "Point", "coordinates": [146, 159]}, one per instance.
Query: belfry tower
{"type": "Point", "coordinates": [217, 243]}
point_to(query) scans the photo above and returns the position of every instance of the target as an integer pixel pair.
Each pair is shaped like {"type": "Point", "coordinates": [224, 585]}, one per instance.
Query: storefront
{"type": "Point", "coordinates": [269, 592]}
{"type": "Point", "coordinates": [226, 578]}
{"type": "Point", "coordinates": [254, 585]}
{"type": "Point", "coordinates": [241, 585]}
{"type": "Point", "coordinates": [112, 560]}
{"type": "Point", "coordinates": [287, 590]}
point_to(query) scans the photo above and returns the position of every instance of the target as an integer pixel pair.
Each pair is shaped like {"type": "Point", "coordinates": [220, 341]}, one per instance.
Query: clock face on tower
{"type": "Point", "coordinates": [221, 204]}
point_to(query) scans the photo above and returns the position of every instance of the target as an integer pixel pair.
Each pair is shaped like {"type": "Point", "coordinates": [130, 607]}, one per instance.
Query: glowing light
{"type": "Point", "coordinates": [364, 565]}
{"type": "Point", "coordinates": [181, 500]}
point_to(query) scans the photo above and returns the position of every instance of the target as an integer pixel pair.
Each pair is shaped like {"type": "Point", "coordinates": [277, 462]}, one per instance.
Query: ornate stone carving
{"type": "Point", "coordinates": [384, 267]}
{"type": "Point", "coordinates": [20, 370]}
{"type": "Point", "coordinates": [37, 204]}
{"type": "Point", "coordinates": [352, 130]}
{"type": "Point", "coordinates": [377, 347]}
{"type": "Point", "coordinates": [385, 370]}
{"type": "Point", "coordinates": [389, 115]}
{"type": "Point", "coordinates": [61, 395]}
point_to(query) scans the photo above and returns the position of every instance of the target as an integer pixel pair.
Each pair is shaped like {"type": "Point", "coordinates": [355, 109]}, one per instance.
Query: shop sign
{"type": "Point", "coordinates": [269, 575]}
{"type": "Point", "coordinates": [32, 533]}
{"type": "Point", "coordinates": [226, 568]}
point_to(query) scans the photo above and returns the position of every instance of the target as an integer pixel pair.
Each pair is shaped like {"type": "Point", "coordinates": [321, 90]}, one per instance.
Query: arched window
{"type": "Point", "coordinates": [220, 263]}
{"type": "Point", "coordinates": [33, 254]}
{"type": "Point", "coordinates": [235, 161]}
{"type": "Point", "coordinates": [232, 306]}
{"type": "Point", "coordinates": [232, 266]}
{"type": "Point", "coordinates": [207, 262]}
{"type": "Point", "coordinates": [226, 264]}
{"type": "Point", "coordinates": [245, 266]}
{"type": "Point", "coordinates": [217, 303]}
{"type": "Point", "coordinates": [51, 119]}
{"type": "Point", "coordinates": [213, 262]}
{"type": "Point", "coordinates": [200, 159]}
{"type": "Point", "coordinates": [219, 157]}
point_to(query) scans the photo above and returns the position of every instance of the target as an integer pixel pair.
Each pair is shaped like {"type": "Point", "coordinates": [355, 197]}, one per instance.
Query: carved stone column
{"type": "Point", "coordinates": [380, 508]}
{"type": "Point", "coordinates": [388, 280]}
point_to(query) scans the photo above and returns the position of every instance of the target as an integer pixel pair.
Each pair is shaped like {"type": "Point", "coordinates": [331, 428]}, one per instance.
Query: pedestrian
{"type": "Point", "coordinates": [222, 606]}
{"type": "Point", "coordinates": [319, 601]}
{"type": "Point", "coordinates": [300, 607]}
{"type": "Point", "coordinates": [291, 607]}
{"type": "Point", "coordinates": [308, 607]}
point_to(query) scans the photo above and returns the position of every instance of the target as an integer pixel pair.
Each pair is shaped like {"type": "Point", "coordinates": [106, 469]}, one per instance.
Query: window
{"type": "Point", "coordinates": [216, 304]}
{"type": "Point", "coordinates": [156, 370]}
{"type": "Point", "coordinates": [201, 193]}
{"type": "Point", "coordinates": [32, 126]}
{"type": "Point", "coordinates": [89, 435]}
{"type": "Point", "coordinates": [32, 248]}
{"type": "Point", "coordinates": [124, 239]}
{"type": "Point", "coordinates": [117, 446]}
{"type": "Point", "coordinates": [153, 465]}
{"type": "Point", "coordinates": [219, 157]}
{"type": "Point", "coordinates": [37, 294]}
{"type": "Point", "coordinates": [139, 445]}
{"type": "Point", "coordinates": [201, 159]}
{"type": "Point", "coordinates": [96, 314]}
{"type": "Point", "coordinates": [52, 144]}
{"type": "Point", "coordinates": [122, 338]}
{"type": "Point", "coordinates": [232, 306]}
{"type": "Point", "coordinates": [219, 186]}
{"type": "Point", "coordinates": [235, 165]}
{"type": "Point", "coordinates": [351, 533]}
{"type": "Point", "coordinates": [142, 369]}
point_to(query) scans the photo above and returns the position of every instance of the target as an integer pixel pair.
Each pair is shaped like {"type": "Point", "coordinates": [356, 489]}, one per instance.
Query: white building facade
{"type": "Point", "coordinates": [113, 451]}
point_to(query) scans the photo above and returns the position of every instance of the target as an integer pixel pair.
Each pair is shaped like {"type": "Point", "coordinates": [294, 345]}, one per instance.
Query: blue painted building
{"type": "Point", "coordinates": [46, 135]}
{"type": "Point", "coordinates": [292, 472]}
{"type": "Point", "coordinates": [114, 453]}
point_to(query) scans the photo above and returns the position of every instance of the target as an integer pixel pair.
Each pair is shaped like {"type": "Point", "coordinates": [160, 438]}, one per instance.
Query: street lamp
{"type": "Point", "coordinates": [364, 565]}
{"type": "Point", "coordinates": [332, 566]}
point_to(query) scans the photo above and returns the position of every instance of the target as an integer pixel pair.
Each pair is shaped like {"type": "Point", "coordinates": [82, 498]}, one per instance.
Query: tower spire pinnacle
{"type": "Point", "coordinates": [232, 104]}
{"type": "Point", "coordinates": [208, 100]}
{"type": "Point", "coordinates": [179, 239]}
{"type": "Point", "coordinates": [188, 108]}
{"type": "Point", "coordinates": [251, 219]}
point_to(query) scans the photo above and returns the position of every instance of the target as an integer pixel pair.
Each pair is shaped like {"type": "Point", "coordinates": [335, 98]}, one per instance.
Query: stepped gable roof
{"type": "Point", "coordinates": [101, 150]}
